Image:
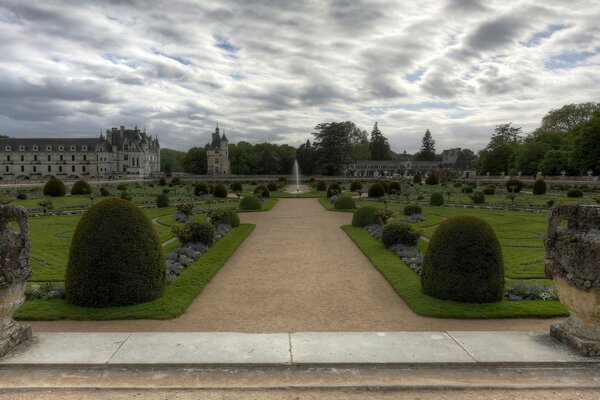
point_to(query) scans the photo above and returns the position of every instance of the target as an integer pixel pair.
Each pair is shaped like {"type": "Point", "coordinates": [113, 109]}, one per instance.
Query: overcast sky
{"type": "Point", "coordinates": [272, 70]}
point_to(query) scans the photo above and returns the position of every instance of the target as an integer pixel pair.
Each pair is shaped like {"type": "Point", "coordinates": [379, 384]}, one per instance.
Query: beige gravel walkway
{"type": "Point", "coordinates": [298, 271]}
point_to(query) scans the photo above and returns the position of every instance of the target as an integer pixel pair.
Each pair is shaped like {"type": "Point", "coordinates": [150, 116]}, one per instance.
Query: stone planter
{"type": "Point", "coordinates": [15, 269]}
{"type": "Point", "coordinates": [573, 262]}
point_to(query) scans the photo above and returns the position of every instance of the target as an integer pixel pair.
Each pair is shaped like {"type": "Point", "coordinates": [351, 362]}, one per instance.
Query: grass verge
{"type": "Point", "coordinates": [408, 285]}
{"type": "Point", "coordinates": [176, 299]}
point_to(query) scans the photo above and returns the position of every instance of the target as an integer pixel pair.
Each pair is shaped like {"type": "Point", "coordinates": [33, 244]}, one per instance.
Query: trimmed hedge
{"type": "Point", "coordinates": [115, 257]}
{"type": "Point", "coordinates": [410, 210]}
{"type": "Point", "coordinates": [225, 216]}
{"type": "Point", "coordinates": [334, 189]}
{"type": "Point", "coordinates": [262, 191]}
{"type": "Point", "coordinates": [162, 182]}
{"type": "Point", "coordinates": [344, 203]}
{"type": "Point", "coordinates": [81, 187]}
{"type": "Point", "coordinates": [463, 262]}
{"type": "Point", "coordinates": [399, 233]}
{"type": "Point", "coordinates": [201, 189]}
{"type": "Point", "coordinates": [574, 193]}
{"type": "Point", "coordinates": [365, 216]}
{"type": "Point", "coordinates": [436, 199]}
{"type": "Point", "coordinates": [55, 188]}
{"type": "Point", "coordinates": [356, 186]}
{"type": "Point", "coordinates": [162, 200]}
{"type": "Point", "coordinates": [517, 185]}
{"type": "Point", "coordinates": [197, 232]}
{"type": "Point", "coordinates": [376, 190]}
{"type": "Point", "coordinates": [250, 203]}
{"type": "Point", "coordinates": [539, 187]}
{"type": "Point", "coordinates": [236, 187]}
{"type": "Point", "coordinates": [272, 186]}
{"type": "Point", "coordinates": [220, 191]}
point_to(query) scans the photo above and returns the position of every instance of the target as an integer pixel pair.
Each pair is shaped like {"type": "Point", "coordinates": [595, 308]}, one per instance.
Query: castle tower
{"type": "Point", "coordinates": [217, 155]}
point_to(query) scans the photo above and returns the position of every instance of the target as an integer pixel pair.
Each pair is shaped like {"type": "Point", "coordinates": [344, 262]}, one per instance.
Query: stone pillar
{"type": "Point", "coordinates": [15, 269]}
{"type": "Point", "coordinates": [573, 262]}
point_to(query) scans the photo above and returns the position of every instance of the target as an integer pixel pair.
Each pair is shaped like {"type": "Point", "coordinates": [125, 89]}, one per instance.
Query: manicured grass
{"type": "Point", "coordinates": [176, 299]}
{"type": "Point", "coordinates": [408, 285]}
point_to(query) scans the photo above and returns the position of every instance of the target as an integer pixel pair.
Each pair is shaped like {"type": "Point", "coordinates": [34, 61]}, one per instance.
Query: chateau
{"type": "Point", "coordinates": [217, 155]}
{"type": "Point", "coordinates": [122, 153]}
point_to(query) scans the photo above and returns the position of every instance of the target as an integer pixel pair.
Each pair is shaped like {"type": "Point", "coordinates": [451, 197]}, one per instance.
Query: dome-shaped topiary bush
{"type": "Point", "coordinates": [395, 187]}
{"type": "Point", "coordinates": [514, 185]}
{"type": "Point", "coordinates": [399, 233]}
{"type": "Point", "coordinates": [488, 190]}
{"type": "Point", "coordinates": [262, 191]}
{"type": "Point", "coordinates": [272, 186]}
{"type": "Point", "coordinates": [436, 199]}
{"type": "Point", "coordinates": [55, 188]}
{"type": "Point", "coordinates": [236, 187]}
{"type": "Point", "coordinates": [356, 186]}
{"type": "Point", "coordinates": [365, 216]}
{"type": "Point", "coordinates": [410, 210]}
{"type": "Point", "coordinates": [574, 193]}
{"type": "Point", "coordinates": [386, 185]}
{"type": "Point", "coordinates": [334, 189]}
{"type": "Point", "coordinates": [201, 189]}
{"type": "Point", "coordinates": [539, 187]}
{"type": "Point", "coordinates": [162, 182]}
{"type": "Point", "coordinates": [220, 191]}
{"type": "Point", "coordinates": [376, 190]}
{"type": "Point", "coordinates": [477, 197]}
{"type": "Point", "coordinates": [344, 203]}
{"type": "Point", "coordinates": [196, 232]}
{"type": "Point", "coordinates": [432, 180]}
{"type": "Point", "coordinates": [321, 186]}
{"type": "Point", "coordinates": [463, 262]}
{"type": "Point", "coordinates": [115, 258]}
{"type": "Point", "coordinates": [162, 200]}
{"type": "Point", "coordinates": [250, 203]}
{"type": "Point", "coordinates": [81, 187]}
{"type": "Point", "coordinates": [225, 216]}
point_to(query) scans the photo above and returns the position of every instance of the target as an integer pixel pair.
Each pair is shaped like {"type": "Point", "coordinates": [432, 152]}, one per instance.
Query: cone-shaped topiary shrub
{"type": "Point", "coordinates": [436, 199]}
{"type": "Point", "coordinates": [334, 189]}
{"type": "Point", "coordinates": [55, 188]}
{"type": "Point", "coordinates": [225, 216]}
{"type": "Point", "coordinates": [321, 186]}
{"type": "Point", "coordinates": [116, 257]}
{"type": "Point", "coordinates": [220, 191]}
{"type": "Point", "coordinates": [376, 190]}
{"type": "Point", "coordinates": [514, 185]}
{"type": "Point", "coordinates": [344, 203]}
{"type": "Point", "coordinates": [81, 187]}
{"type": "Point", "coordinates": [162, 200]}
{"type": "Point", "coordinates": [201, 189]}
{"type": "Point", "coordinates": [262, 191]}
{"type": "Point", "coordinates": [399, 233]}
{"type": "Point", "coordinates": [463, 262]}
{"type": "Point", "coordinates": [539, 187]}
{"type": "Point", "coordinates": [250, 203]}
{"type": "Point", "coordinates": [365, 216]}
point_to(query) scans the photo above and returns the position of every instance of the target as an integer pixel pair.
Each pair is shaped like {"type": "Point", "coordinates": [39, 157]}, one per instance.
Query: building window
{"type": "Point", "coordinates": [22, 148]}
{"type": "Point", "coordinates": [7, 148]}
{"type": "Point", "coordinates": [22, 157]}
{"type": "Point", "coordinates": [84, 148]}
{"type": "Point", "coordinates": [83, 168]}
{"type": "Point", "coordinates": [48, 148]}
{"type": "Point", "coordinates": [35, 157]}
{"type": "Point", "coordinates": [60, 168]}
{"type": "Point", "coordinates": [49, 167]}
{"type": "Point", "coordinates": [125, 157]}
{"type": "Point", "coordinates": [124, 168]}
{"type": "Point", "coordinates": [72, 148]}
{"type": "Point", "coordinates": [8, 157]}
{"type": "Point", "coordinates": [61, 158]}
{"type": "Point", "coordinates": [34, 168]}
{"type": "Point", "coordinates": [7, 168]}
{"type": "Point", "coordinates": [73, 157]}
{"type": "Point", "coordinates": [35, 148]}
{"type": "Point", "coordinates": [61, 148]}
{"type": "Point", "coordinates": [22, 168]}
{"type": "Point", "coordinates": [72, 168]}
{"type": "Point", "coordinates": [84, 157]}
{"type": "Point", "coordinates": [49, 157]}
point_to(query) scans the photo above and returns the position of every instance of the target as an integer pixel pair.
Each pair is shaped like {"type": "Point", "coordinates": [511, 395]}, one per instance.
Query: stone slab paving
{"type": "Point", "coordinates": [286, 349]}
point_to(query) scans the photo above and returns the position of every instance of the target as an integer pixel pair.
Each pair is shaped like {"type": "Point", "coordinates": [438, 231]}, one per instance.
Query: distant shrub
{"type": "Point", "coordinates": [236, 187]}
{"type": "Point", "coordinates": [574, 193]}
{"type": "Point", "coordinates": [125, 196]}
{"type": "Point", "coordinates": [121, 186]}
{"type": "Point", "coordinates": [195, 232]}
{"type": "Point", "coordinates": [334, 189]}
{"type": "Point", "coordinates": [104, 191]}
{"type": "Point", "coordinates": [412, 209]}
{"type": "Point", "coordinates": [166, 190]}
{"type": "Point", "coordinates": [514, 185]}
{"type": "Point", "coordinates": [386, 186]}
{"type": "Point", "coordinates": [488, 190]}
{"type": "Point", "coordinates": [436, 199]}
{"type": "Point", "coordinates": [161, 182]}
{"type": "Point", "coordinates": [81, 187]}
{"type": "Point", "coordinates": [432, 180]}
{"type": "Point", "coordinates": [55, 188]}
{"type": "Point", "coordinates": [201, 189]}
{"type": "Point", "coordinates": [262, 191]}
{"type": "Point", "coordinates": [550, 202]}
{"type": "Point", "coordinates": [417, 178]}
{"type": "Point", "coordinates": [224, 216]}
{"type": "Point", "coordinates": [283, 179]}
{"type": "Point", "coordinates": [175, 181]}
{"type": "Point", "coordinates": [539, 187]}
{"type": "Point", "coordinates": [250, 203]}
{"type": "Point", "coordinates": [399, 233]}
{"type": "Point", "coordinates": [253, 183]}
{"type": "Point", "coordinates": [162, 200]}
{"type": "Point", "coordinates": [272, 186]}
{"type": "Point", "coordinates": [395, 187]}
{"type": "Point", "coordinates": [365, 216]}
{"type": "Point", "coordinates": [21, 195]}
{"type": "Point", "coordinates": [477, 197]}
{"type": "Point", "coordinates": [220, 191]}
{"type": "Point", "coordinates": [356, 187]}
{"type": "Point", "coordinates": [376, 190]}
{"type": "Point", "coordinates": [321, 186]}
{"type": "Point", "coordinates": [463, 262]}
{"type": "Point", "coordinates": [344, 203]}
{"type": "Point", "coordinates": [185, 208]}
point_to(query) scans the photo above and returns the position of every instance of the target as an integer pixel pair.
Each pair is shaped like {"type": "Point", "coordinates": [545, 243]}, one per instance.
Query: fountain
{"type": "Point", "coordinates": [296, 173]}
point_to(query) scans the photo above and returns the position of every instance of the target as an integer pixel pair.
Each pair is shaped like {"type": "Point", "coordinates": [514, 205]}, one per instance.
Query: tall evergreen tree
{"type": "Point", "coordinates": [332, 145]}
{"type": "Point", "coordinates": [427, 152]}
{"type": "Point", "coordinates": [379, 146]}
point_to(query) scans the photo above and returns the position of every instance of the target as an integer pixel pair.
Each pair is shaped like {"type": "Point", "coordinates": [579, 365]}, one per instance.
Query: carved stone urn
{"type": "Point", "coordinates": [573, 262]}
{"type": "Point", "coordinates": [15, 269]}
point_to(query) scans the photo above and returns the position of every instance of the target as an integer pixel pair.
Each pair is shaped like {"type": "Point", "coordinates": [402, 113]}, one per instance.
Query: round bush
{"type": "Point", "coordinates": [477, 197]}
{"type": "Point", "coordinates": [410, 210]}
{"type": "Point", "coordinates": [539, 187]}
{"type": "Point", "coordinates": [344, 203]}
{"type": "Point", "coordinates": [162, 182]}
{"type": "Point", "coordinates": [175, 181]}
{"type": "Point", "coordinates": [376, 190]}
{"type": "Point", "coordinates": [436, 199]}
{"type": "Point", "coordinates": [365, 216]}
{"type": "Point", "coordinates": [166, 191]}
{"type": "Point", "coordinates": [399, 233]}
{"type": "Point", "coordinates": [200, 232]}
{"type": "Point", "coordinates": [282, 179]}
{"type": "Point", "coordinates": [514, 185]}
{"type": "Point", "coordinates": [201, 189]}
{"type": "Point", "coordinates": [432, 180]}
{"type": "Point", "coordinates": [250, 203]}
{"type": "Point", "coordinates": [334, 189]}
{"type": "Point", "coordinates": [356, 186]}
{"type": "Point", "coordinates": [321, 186]}
{"type": "Point", "coordinates": [463, 262]}
{"type": "Point", "coordinates": [417, 178]}
{"type": "Point", "coordinates": [395, 187]}
{"type": "Point", "coordinates": [262, 191]}
{"type": "Point", "coordinates": [574, 193]}
{"type": "Point", "coordinates": [220, 191]}
{"type": "Point", "coordinates": [115, 257]}
{"type": "Point", "coordinates": [488, 190]}
{"type": "Point", "coordinates": [80, 188]}
{"type": "Point", "coordinates": [272, 186]}
{"type": "Point", "coordinates": [55, 188]}
{"type": "Point", "coordinates": [162, 200]}
{"type": "Point", "coordinates": [386, 186]}
{"type": "Point", "coordinates": [22, 196]}
{"type": "Point", "coordinates": [236, 187]}
{"type": "Point", "coordinates": [225, 216]}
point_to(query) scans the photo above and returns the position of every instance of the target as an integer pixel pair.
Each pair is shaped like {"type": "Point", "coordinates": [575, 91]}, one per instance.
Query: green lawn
{"type": "Point", "coordinates": [408, 285]}
{"type": "Point", "coordinates": [177, 297]}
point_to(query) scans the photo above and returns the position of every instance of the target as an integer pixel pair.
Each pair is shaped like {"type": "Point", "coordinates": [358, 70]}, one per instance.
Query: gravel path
{"type": "Point", "coordinates": [297, 271]}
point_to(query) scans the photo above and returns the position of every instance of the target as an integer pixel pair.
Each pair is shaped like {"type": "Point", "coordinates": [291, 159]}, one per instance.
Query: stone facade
{"type": "Point", "coordinates": [217, 155]}
{"type": "Point", "coordinates": [122, 153]}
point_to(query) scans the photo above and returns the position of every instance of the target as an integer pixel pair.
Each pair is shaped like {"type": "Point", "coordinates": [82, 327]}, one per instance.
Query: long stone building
{"type": "Point", "coordinates": [122, 153]}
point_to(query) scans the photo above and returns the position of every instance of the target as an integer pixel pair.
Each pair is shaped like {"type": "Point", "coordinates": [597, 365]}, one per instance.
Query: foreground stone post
{"type": "Point", "coordinates": [573, 262]}
{"type": "Point", "coordinates": [15, 269]}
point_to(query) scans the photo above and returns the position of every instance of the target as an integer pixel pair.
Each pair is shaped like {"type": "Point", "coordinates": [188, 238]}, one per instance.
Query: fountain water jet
{"type": "Point", "coordinates": [296, 173]}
